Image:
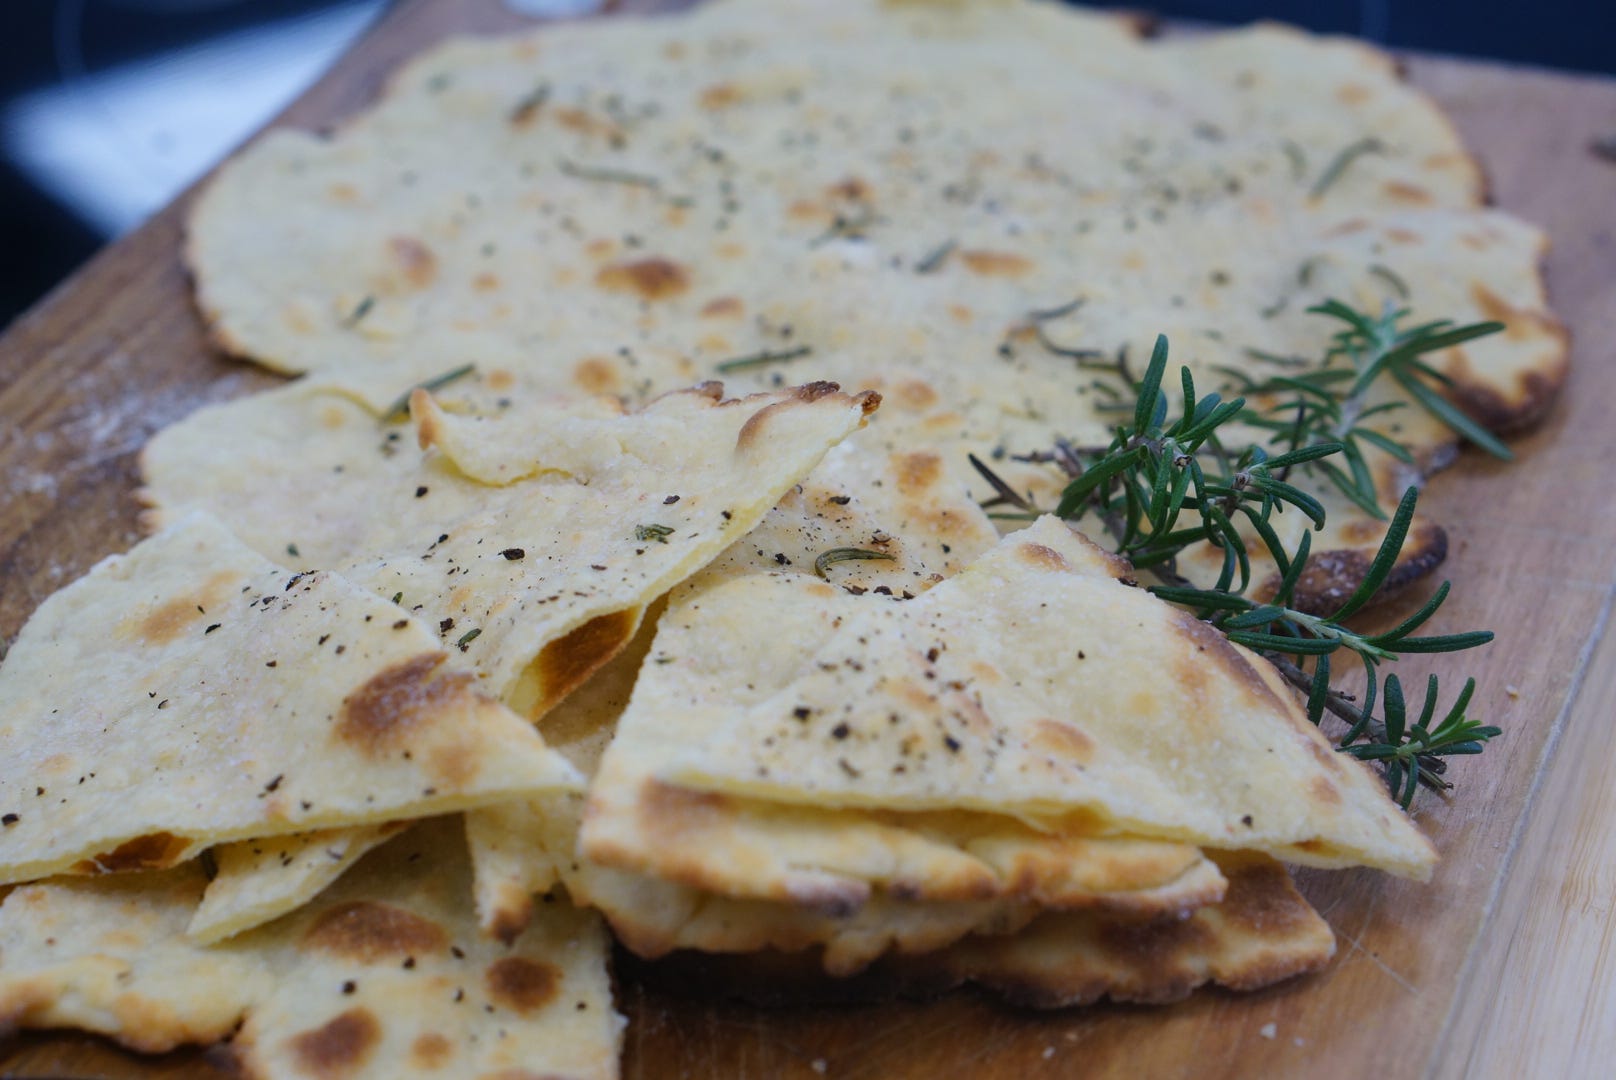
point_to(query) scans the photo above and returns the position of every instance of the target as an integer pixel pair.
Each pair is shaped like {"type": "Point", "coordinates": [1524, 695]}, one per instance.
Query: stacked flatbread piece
{"type": "Point", "coordinates": [743, 672]}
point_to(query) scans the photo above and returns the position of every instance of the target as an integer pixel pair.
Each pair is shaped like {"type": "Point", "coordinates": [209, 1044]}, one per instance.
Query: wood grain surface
{"type": "Point", "coordinates": [1504, 965]}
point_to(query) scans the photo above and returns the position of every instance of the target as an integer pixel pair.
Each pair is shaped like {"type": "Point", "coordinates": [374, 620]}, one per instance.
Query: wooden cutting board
{"type": "Point", "coordinates": [1505, 964]}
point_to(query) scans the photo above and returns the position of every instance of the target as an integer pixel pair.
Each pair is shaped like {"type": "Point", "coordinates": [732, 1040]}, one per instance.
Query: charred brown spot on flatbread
{"type": "Point", "coordinates": [654, 278]}
{"type": "Point", "coordinates": [430, 1050]}
{"type": "Point", "coordinates": [1066, 741]}
{"type": "Point", "coordinates": [584, 122]}
{"type": "Point", "coordinates": [723, 307]}
{"type": "Point", "coordinates": [720, 96]}
{"type": "Point", "coordinates": [851, 188]}
{"type": "Point", "coordinates": [917, 471]}
{"type": "Point", "coordinates": [169, 620]}
{"type": "Point", "coordinates": [1331, 576]}
{"type": "Point", "coordinates": [521, 985]}
{"type": "Point", "coordinates": [668, 808]}
{"type": "Point", "coordinates": [380, 716]}
{"type": "Point", "coordinates": [1324, 790]}
{"type": "Point", "coordinates": [367, 932]}
{"type": "Point", "coordinates": [566, 662]}
{"type": "Point", "coordinates": [914, 394]}
{"type": "Point", "coordinates": [340, 1047]}
{"type": "Point", "coordinates": [597, 375]}
{"type": "Point", "coordinates": [510, 916]}
{"type": "Point", "coordinates": [154, 851]}
{"type": "Point", "coordinates": [996, 263]}
{"type": "Point", "coordinates": [414, 260]}
{"type": "Point", "coordinates": [1408, 194]}
{"type": "Point", "coordinates": [1042, 557]}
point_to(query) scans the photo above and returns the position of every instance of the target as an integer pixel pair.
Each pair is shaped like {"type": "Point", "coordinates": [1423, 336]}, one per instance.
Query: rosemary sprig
{"type": "Point", "coordinates": [758, 359]}
{"type": "Point", "coordinates": [659, 533]}
{"type": "Point", "coordinates": [1161, 486]}
{"type": "Point", "coordinates": [401, 407]}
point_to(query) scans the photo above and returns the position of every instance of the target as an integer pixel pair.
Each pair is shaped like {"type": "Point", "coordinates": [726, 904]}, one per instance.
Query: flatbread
{"type": "Point", "coordinates": [1037, 684]}
{"type": "Point", "coordinates": [231, 699]}
{"type": "Point", "coordinates": [533, 541]}
{"type": "Point", "coordinates": [655, 914]}
{"type": "Point", "coordinates": [705, 189]}
{"type": "Point", "coordinates": [382, 976]}
{"type": "Point", "coordinates": [255, 881]}
{"type": "Point", "coordinates": [751, 849]}
{"type": "Point", "coordinates": [1261, 933]}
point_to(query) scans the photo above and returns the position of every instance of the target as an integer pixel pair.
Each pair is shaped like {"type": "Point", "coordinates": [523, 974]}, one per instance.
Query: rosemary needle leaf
{"type": "Point", "coordinates": [835, 555]}
{"type": "Point", "coordinates": [1414, 621]}
{"type": "Point", "coordinates": [1303, 454]}
{"type": "Point", "coordinates": [1319, 691]}
{"type": "Point", "coordinates": [1207, 599]}
{"type": "Point", "coordinates": [1445, 642]}
{"type": "Point", "coordinates": [1384, 559]}
{"type": "Point", "coordinates": [1339, 164]}
{"type": "Point", "coordinates": [1449, 414]}
{"type": "Point", "coordinates": [401, 407]}
{"type": "Point", "coordinates": [1150, 389]}
{"type": "Point", "coordinates": [934, 259]}
{"type": "Point", "coordinates": [1288, 645]}
{"type": "Point", "coordinates": [1396, 710]}
{"type": "Point", "coordinates": [758, 359]}
{"type": "Point", "coordinates": [1380, 441]}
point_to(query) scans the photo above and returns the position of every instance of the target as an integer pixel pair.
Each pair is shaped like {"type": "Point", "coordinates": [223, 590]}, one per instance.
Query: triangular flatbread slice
{"type": "Point", "coordinates": [1040, 684]}
{"type": "Point", "coordinates": [191, 692]}
{"type": "Point", "coordinates": [382, 976]}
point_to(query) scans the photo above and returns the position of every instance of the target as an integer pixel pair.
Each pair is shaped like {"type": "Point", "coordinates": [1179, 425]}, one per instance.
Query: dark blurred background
{"type": "Point", "coordinates": [108, 108]}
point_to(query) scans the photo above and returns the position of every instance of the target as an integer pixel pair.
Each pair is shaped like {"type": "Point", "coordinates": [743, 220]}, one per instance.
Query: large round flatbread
{"type": "Point", "coordinates": [883, 193]}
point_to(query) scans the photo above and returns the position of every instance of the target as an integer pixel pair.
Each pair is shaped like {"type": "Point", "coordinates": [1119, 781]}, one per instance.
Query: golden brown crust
{"type": "Point", "coordinates": [369, 932]}
{"type": "Point", "coordinates": [564, 664]}
{"type": "Point", "coordinates": [1261, 933]}
{"type": "Point", "coordinates": [1331, 576]}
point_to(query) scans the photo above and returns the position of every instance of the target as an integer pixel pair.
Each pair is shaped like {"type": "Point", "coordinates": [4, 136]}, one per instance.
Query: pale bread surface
{"type": "Point", "coordinates": [384, 975]}
{"type": "Point", "coordinates": [232, 698]}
